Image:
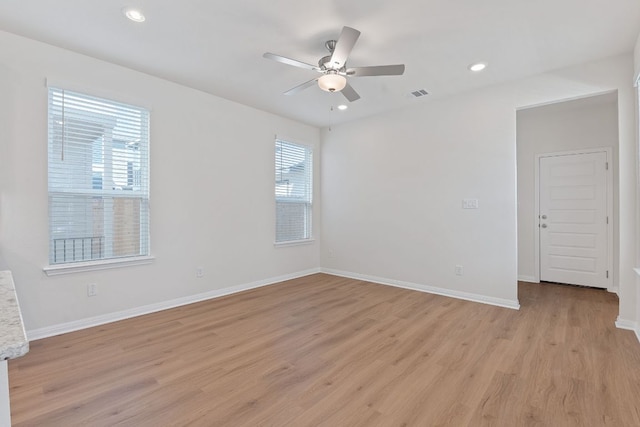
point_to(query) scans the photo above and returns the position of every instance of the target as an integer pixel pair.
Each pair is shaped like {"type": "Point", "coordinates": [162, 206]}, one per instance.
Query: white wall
{"type": "Point", "coordinates": [212, 197]}
{"type": "Point", "coordinates": [586, 123]}
{"type": "Point", "coordinates": [392, 196]}
{"type": "Point", "coordinates": [393, 185]}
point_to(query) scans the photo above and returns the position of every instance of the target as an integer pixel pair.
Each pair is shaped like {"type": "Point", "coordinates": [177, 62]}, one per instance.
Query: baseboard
{"type": "Point", "coordinates": [500, 302]}
{"type": "Point", "coordinates": [614, 290]}
{"type": "Point", "coordinates": [530, 279]}
{"type": "Point", "coordinates": [629, 325]}
{"type": "Point", "coordinates": [626, 324]}
{"type": "Point", "coordinates": [63, 328]}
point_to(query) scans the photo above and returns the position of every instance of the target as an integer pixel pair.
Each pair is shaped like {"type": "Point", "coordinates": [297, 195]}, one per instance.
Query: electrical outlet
{"type": "Point", "coordinates": [459, 270]}
{"type": "Point", "coordinates": [199, 272]}
{"type": "Point", "coordinates": [92, 289]}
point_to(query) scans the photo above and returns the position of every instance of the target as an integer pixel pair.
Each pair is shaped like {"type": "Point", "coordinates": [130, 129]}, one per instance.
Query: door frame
{"type": "Point", "coordinates": [536, 229]}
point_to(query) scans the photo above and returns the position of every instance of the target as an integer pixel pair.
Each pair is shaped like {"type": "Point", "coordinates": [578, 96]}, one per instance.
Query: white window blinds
{"type": "Point", "coordinates": [98, 178]}
{"type": "Point", "coordinates": [294, 190]}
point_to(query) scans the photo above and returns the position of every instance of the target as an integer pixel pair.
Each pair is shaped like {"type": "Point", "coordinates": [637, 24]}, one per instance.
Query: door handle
{"type": "Point", "coordinates": [544, 226]}
{"type": "Point", "coordinates": [544, 217]}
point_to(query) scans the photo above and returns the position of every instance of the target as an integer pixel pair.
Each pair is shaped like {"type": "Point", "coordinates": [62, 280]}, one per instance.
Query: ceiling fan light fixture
{"type": "Point", "coordinates": [332, 82]}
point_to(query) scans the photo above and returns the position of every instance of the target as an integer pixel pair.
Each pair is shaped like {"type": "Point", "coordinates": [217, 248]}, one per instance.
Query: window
{"type": "Point", "coordinates": [294, 190]}
{"type": "Point", "coordinates": [98, 179]}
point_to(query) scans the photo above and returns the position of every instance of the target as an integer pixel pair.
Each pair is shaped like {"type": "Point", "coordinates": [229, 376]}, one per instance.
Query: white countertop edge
{"type": "Point", "coordinates": [13, 337]}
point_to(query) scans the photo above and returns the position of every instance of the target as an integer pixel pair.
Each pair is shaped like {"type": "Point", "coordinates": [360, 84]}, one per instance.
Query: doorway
{"type": "Point", "coordinates": [580, 126]}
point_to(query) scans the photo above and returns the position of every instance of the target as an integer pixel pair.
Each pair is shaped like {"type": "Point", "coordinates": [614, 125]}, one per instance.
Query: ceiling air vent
{"type": "Point", "coordinates": [419, 93]}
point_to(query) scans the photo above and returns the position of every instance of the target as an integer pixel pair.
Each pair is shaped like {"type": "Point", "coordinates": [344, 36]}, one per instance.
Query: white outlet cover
{"type": "Point", "coordinates": [92, 289]}
{"type": "Point", "coordinates": [469, 203]}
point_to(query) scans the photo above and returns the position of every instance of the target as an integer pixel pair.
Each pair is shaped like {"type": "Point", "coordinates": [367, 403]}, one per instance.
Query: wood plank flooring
{"type": "Point", "coordinates": [329, 351]}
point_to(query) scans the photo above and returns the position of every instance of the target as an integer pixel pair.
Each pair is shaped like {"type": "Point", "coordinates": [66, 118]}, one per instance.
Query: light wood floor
{"type": "Point", "coordinates": [323, 350]}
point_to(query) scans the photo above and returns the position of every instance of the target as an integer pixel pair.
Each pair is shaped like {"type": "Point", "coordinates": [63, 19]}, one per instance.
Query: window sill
{"type": "Point", "coordinates": [294, 243]}
{"type": "Point", "coordinates": [79, 267]}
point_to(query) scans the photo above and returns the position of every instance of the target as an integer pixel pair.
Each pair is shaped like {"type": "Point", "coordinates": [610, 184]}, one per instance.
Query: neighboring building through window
{"type": "Point", "coordinates": [98, 178]}
{"type": "Point", "coordinates": [293, 191]}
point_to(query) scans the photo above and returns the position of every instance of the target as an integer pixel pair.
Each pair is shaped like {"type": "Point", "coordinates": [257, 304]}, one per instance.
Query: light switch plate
{"type": "Point", "coordinates": [469, 203]}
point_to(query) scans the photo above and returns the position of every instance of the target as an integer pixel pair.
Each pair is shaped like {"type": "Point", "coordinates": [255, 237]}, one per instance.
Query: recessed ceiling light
{"type": "Point", "coordinates": [342, 107]}
{"type": "Point", "coordinates": [134, 14]}
{"type": "Point", "coordinates": [478, 66]}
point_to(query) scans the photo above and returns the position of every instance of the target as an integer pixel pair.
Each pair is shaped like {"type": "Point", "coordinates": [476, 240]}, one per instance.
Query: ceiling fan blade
{"type": "Point", "coordinates": [344, 45]}
{"type": "Point", "coordinates": [350, 93]}
{"type": "Point", "coordinates": [301, 87]}
{"type": "Point", "coordinates": [378, 70]}
{"type": "Point", "coordinates": [290, 61]}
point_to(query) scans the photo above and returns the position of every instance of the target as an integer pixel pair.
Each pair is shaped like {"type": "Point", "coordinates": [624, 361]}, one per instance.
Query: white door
{"type": "Point", "coordinates": [573, 219]}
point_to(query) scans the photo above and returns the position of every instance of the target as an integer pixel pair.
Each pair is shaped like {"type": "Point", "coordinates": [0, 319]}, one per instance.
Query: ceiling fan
{"type": "Point", "coordinates": [333, 67]}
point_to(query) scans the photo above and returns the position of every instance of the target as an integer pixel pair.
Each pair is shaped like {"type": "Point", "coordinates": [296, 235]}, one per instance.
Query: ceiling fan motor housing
{"type": "Point", "coordinates": [325, 64]}
{"type": "Point", "coordinates": [325, 61]}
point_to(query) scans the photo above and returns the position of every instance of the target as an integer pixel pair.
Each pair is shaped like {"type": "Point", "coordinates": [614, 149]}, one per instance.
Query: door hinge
{"type": "Point", "coordinates": [606, 165]}
{"type": "Point", "coordinates": [607, 220]}
{"type": "Point", "coordinates": [607, 274]}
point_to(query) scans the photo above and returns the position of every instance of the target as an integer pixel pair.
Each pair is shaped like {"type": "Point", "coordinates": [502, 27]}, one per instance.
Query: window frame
{"type": "Point", "coordinates": [307, 200]}
{"type": "Point", "coordinates": [140, 173]}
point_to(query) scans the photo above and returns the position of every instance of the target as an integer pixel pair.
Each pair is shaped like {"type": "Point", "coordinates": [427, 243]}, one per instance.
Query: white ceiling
{"type": "Point", "coordinates": [217, 46]}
